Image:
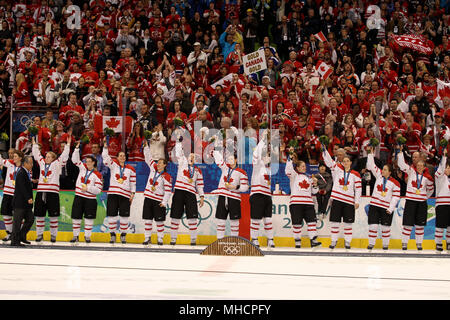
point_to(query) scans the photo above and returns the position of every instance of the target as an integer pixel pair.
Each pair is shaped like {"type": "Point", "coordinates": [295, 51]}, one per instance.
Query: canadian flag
{"type": "Point", "coordinates": [320, 36]}
{"type": "Point", "coordinates": [443, 88]}
{"type": "Point", "coordinates": [323, 69]}
{"type": "Point", "coordinates": [115, 123]}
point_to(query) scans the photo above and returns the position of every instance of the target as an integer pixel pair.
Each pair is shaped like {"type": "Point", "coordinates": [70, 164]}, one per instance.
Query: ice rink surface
{"type": "Point", "coordinates": [131, 271]}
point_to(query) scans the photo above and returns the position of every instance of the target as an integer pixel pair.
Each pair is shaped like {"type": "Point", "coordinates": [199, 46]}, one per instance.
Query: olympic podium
{"type": "Point", "coordinates": [232, 246]}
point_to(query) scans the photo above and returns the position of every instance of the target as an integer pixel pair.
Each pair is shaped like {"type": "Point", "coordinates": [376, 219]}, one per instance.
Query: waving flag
{"type": "Point", "coordinates": [323, 69]}
{"type": "Point", "coordinates": [114, 123]}
{"type": "Point", "coordinates": [320, 36]}
{"type": "Point", "coordinates": [416, 43]}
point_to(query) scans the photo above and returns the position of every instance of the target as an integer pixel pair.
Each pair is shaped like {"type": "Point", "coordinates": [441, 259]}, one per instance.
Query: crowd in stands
{"type": "Point", "coordinates": [157, 61]}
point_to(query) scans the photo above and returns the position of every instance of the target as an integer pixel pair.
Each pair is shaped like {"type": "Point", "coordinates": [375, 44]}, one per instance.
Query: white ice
{"type": "Point", "coordinates": [85, 274]}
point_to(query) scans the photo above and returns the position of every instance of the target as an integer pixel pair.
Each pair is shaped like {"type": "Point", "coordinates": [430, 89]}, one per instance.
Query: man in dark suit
{"type": "Point", "coordinates": [22, 204]}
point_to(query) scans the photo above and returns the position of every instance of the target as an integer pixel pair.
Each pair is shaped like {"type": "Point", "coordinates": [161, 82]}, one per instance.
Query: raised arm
{"type": "Point", "coordinates": [371, 165]}
{"type": "Point", "coordinates": [402, 164]}
{"type": "Point", "coordinates": [179, 154]}
{"type": "Point", "coordinates": [148, 155]}
{"type": "Point", "coordinates": [106, 158]}
{"type": "Point", "coordinates": [257, 153]}
{"type": "Point", "coordinates": [36, 152]}
{"type": "Point", "coordinates": [65, 154]}
{"type": "Point", "coordinates": [76, 156]}
{"type": "Point", "coordinates": [329, 162]}
{"type": "Point", "coordinates": [440, 170]}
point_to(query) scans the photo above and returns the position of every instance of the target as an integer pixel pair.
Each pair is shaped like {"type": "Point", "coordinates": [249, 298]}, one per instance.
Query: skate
{"type": "Point", "coordinates": [385, 247]}
{"type": "Point", "coordinates": [370, 247]}
{"type": "Point", "coordinates": [193, 242]}
{"type": "Point", "coordinates": [298, 243]}
{"type": "Point", "coordinates": [74, 240]}
{"type": "Point", "coordinates": [315, 243]}
{"type": "Point", "coordinates": [173, 242]}
{"type": "Point", "coordinates": [160, 242]}
{"type": "Point", "coordinates": [39, 238]}
{"type": "Point", "coordinates": [404, 246]}
{"type": "Point", "coordinates": [146, 242]}
{"type": "Point", "coordinates": [255, 242]}
{"type": "Point", "coordinates": [87, 239]}
{"type": "Point", "coordinates": [53, 239]}
{"type": "Point", "coordinates": [123, 238]}
{"type": "Point", "coordinates": [419, 247]}
{"type": "Point", "coordinates": [8, 236]}
{"type": "Point", "coordinates": [270, 243]}
{"type": "Point", "coordinates": [332, 245]}
{"type": "Point", "coordinates": [347, 245]}
{"type": "Point", "coordinates": [439, 247]}
{"type": "Point", "coordinates": [113, 238]}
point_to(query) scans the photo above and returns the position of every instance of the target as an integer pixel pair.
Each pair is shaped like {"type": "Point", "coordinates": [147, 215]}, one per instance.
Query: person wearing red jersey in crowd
{"type": "Point", "coordinates": [188, 184]}
{"type": "Point", "coordinates": [88, 185]}
{"type": "Point", "coordinates": [261, 194]}
{"type": "Point", "coordinates": [47, 196]}
{"type": "Point", "coordinates": [233, 181]}
{"type": "Point", "coordinates": [21, 91]}
{"type": "Point", "coordinates": [12, 166]}
{"type": "Point", "coordinates": [66, 111]}
{"type": "Point", "coordinates": [135, 143]}
{"type": "Point", "coordinates": [345, 195]}
{"type": "Point", "coordinates": [301, 204]}
{"type": "Point", "coordinates": [122, 187]}
{"type": "Point", "coordinates": [442, 177]}
{"type": "Point", "coordinates": [385, 198]}
{"type": "Point", "coordinates": [420, 186]}
{"type": "Point", "coordinates": [157, 194]}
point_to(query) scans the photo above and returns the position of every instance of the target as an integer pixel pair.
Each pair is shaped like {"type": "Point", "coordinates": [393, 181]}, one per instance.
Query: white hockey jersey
{"type": "Point", "coordinates": [234, 176]}
{"type": "Point", "coordinates": [260, 182]}
{"type": "Point", "coordinates": [11, 171]}
{"type": "Point", "coordinates": [123, 179]}
{"type": "Point", "coordinates": [189, 178]}
{"type": "Point", "coordinates": [49, 173]}
{"type": "Point", "coordinates": [346, 185]}
{"type": "Point", "coordinates": [302, 188]}
{"type": "Point", "coordinates": [442, 184]}
{"type": "Point", "coordinates": [92, 179]}
{"type": "Point", "coordinates": [386, 193]}
{"type": "Point", "coordinates": [420, 186]}
{"type": "Point", "coordinates": [159, 184]}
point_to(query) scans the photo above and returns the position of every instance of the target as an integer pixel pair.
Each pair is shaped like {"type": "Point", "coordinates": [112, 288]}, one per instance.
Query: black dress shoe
{"type": "Point", "coordinates": [25, 241]}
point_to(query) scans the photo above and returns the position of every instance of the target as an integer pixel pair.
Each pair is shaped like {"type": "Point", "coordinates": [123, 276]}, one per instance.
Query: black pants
{"type": "Point", "coordinates": [228, 207]}
{"type": "Point", "coordinates": [260, 206]}
{"type": "Point", "coordinates": [342, 212]}
{"type": "Point", "coordinates": [117, 205]}
{"type": "Point", "coordinates": [184, 201]}
{"type": "Point", "coordinates": [415, 213]}
{"type": "Point", "coordinates": [443, 216]}
{"type": "Point", "coordinates": [378, 215]}
{"type": "Point", "coordinates": [322, 202]}
{"type": "Point", "coordinates": [19, 233]}
{"type": "Point", "coordinates": [6, 209]}
{"type": "Point", "coordinates": [300, 212]}
{"type": "Point", "coordinates": [46, 202]}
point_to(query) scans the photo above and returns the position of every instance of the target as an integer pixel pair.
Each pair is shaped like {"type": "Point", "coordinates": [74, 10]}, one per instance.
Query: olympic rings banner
{"type": "Point", "coordinates": [207, 226]}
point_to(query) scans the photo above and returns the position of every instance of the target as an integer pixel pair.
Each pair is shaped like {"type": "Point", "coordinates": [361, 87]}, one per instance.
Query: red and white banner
{"type": "Point", "coordinates": [320, 36]}
{"type": "Point", "coordinates": [323, 69]}
{"type": "Point", "coordinates": [417, 43]}
{"type": "Point", "coordinates": [115, 123]}
{"type": "Point", "coordinates": [443, 88]}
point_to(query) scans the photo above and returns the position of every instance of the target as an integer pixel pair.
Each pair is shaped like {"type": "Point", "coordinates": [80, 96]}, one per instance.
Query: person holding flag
{"type": "Point", "coordinates": [89, 183]}
{"type": "Point", "coordinates": [301, 204]}
{"type": "Point", "coordinates": [12, 166]}
{"type": "Point", "coordinates": [47, 196]}
{"type": "Point", "coordinates": [345, 196]}
{"type": "Point", "coordinates": [261, 194]}
{"type": "Point", "coordinates": [385, 197]}
{"type": "Point", "coordinates": [420, 186]}
{"type": "Point", "coordinates": [189, 182]}
{"type": "Point", "coordinates": [122, 187]}
{"type": "Point", "coordinates": [157, 194]}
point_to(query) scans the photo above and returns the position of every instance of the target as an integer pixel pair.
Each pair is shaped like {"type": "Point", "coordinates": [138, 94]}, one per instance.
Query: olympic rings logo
{"type": "Point", "coordinates": [231, 250]}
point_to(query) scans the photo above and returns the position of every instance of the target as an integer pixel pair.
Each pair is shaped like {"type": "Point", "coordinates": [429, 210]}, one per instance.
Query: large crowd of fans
{"type": "Point", "coordinates": [161, 61]}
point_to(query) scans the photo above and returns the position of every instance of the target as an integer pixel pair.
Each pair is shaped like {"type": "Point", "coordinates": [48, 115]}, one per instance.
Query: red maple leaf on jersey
{"type": "Point", "coordinates": [82, 180]}
{"type": "Point", "coordinates": [304, 184]}
{"type": "Point", "coordinates": [186, 173]}
{"type": "Point", "coordinates": [112, 123]}
{"type": "Point", "coordinates": [380, 188]}
{"type": "Point", "coordinates": [229, 181]}
{"type": "Point", "coordinates": [118, 177]}
{"type": "Point", "coordinates": [266, 177]}
{"type": "Point", "coordinates": [11, 176]}
{"type": "Point", "coordinates": [342, 181]}
{"type": "Point", "coordinates": [414, 183]}
{"type": "Point", "coordinates": [151, 182]}
{"type": "Point", "coordinates": [48, 173]}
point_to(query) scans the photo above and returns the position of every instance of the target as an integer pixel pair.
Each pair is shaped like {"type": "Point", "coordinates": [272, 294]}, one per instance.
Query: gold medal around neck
{"type": "Point", "coordinates": [190, 180]}
{"type": "Point", "coordinates": [153, 188]}
{"type": "Point", "coordinates": [345, 188]}
{"type": "Point", "coordinates": [13, 182]}
{"type": "Point", "coordinates": [45, 180]}
{"type": "Point", "coordinates": [120, 180]}
{"type": "Point", "coordinates": [83, 185]}
{"type": "Point", "coordinates": [417, 191]}
{"type": "Point", "coordinates": [383, 194]}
